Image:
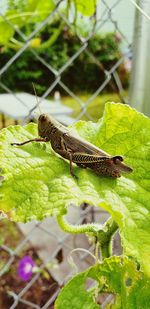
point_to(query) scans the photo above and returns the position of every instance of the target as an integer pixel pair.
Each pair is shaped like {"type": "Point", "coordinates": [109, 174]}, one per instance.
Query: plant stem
{"type": "Point", "coordinates": [104, 237]}
{"type": "Point", "coordinates": [78, 229]}
{"type": "Point", "coordinates": [103, 233]}
{"type": "Point", "coordinates": [75, 15]}
{"type": "Point", "coordinates": [67, 9]}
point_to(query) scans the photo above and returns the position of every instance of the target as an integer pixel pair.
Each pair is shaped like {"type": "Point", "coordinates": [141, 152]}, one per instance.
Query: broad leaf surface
{"type": "Point", "coordinates": [37, 182]}
{"type": "Point", "coordinates": [74, 295]}
{"type": "Point", "coordinates": [115, 275]}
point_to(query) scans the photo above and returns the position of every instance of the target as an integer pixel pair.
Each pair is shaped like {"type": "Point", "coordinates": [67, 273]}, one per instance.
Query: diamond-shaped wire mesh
{"type": "Point", "coordinates": [44, 240]}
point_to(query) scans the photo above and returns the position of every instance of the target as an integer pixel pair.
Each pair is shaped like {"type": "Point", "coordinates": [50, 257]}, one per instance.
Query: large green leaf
{"type": "Point", "coordinates": [37, 182]}
{"type": "Point", "coordinates": [74, 295]}
{"type": "Point", "coordinates": [115, 275]}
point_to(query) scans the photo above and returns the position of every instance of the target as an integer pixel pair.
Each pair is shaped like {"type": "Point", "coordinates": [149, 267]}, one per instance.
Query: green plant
{"type": "Point", "coordinates": [82, 75]}
{"type": "Point", "coordinates": [37, 183]}
{"type": "Point", "coordinates": [26, 14]}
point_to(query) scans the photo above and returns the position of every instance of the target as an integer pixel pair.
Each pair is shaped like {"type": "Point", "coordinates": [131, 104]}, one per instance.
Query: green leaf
{"type": "Point", "coordinates": [86, 8]}
{"type": "Point", "coordinates": [32, 11]}
{"type": "Point", "coordinates": [6, 32]}
{"type": "Point", "coordinates": [45, 8]}
{"type": "Point", "coordinates": [17, 18]}
{"type": "Point", "coordinates": [37, 182]}
{"type": "Point", "coordinates": [74, 295]}
{"type": "Point", "coordinates": [40, 9]}
{"type": "Point", "coordinates": [115, 275]}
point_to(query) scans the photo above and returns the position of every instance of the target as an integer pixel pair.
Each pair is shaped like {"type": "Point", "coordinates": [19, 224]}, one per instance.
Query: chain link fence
{"type": "Point", "coordinates": [44, 241]}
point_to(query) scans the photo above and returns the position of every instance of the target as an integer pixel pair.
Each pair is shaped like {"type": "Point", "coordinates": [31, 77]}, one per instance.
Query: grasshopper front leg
{"type": "Point", "coordinates": [65, 152]}
{"type": "Point", "coordinates": [31, 140]}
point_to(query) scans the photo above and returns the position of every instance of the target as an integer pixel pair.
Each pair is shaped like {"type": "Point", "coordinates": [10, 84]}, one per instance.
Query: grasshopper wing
{"type": "Point", "coordinates": [77, 144]}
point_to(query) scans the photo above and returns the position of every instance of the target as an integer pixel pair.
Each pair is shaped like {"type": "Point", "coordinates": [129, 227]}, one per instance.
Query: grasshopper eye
{"type": "Point", "coordinates": [42, 118]}
{"type": "Point", "coordinates": [115, 158]}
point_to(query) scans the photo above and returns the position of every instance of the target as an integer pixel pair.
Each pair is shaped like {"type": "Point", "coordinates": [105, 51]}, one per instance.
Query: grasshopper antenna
{"type": "Point", "coordinates": [38, 103]}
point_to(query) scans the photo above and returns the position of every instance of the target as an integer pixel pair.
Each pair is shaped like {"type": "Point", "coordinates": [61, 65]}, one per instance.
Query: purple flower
{"type": "Point", "coordinates": [25, 268]}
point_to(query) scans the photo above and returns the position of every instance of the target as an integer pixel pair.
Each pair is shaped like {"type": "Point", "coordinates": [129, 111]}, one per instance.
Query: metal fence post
{"type": "Point", "coordinates": [139, 96]}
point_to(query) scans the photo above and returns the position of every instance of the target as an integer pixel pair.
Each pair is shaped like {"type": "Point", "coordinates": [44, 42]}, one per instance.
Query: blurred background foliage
{"type": "Point", "coordinates": [54, 44]}
{"type": "Point", "coordinates": [82, 75]}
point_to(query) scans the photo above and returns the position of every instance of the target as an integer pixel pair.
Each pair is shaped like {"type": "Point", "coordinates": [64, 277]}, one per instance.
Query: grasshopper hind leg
{"type": "Point", "coordinates": [81, 165]}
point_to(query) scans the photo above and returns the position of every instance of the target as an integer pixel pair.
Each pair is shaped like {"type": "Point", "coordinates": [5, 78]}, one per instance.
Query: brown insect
{"type": "Point", "coordinates": [77, 150]}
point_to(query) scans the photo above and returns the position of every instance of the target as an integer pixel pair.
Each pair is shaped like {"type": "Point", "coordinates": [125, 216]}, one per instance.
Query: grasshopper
{"type": "Point", "coordinates": [77, 150]}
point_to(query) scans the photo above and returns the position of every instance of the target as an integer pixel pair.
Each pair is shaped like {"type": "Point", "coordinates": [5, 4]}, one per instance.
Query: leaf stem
{"type": "Point", "coordinates": [104, 237]}
{"type": "Point", "coordinates": [78, 229]}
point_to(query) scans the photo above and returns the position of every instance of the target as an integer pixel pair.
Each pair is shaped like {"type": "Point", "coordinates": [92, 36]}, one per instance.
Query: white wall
{"type": "Point", "coordinates": [123, 13]}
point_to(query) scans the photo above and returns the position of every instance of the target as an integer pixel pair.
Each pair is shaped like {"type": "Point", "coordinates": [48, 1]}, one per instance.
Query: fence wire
{"type": "Point", "coordinates": [61, 240]}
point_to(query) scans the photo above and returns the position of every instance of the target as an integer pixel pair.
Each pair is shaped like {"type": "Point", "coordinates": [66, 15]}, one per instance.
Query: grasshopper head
{"type": "Point", "coordinates": [48, 126]}
{"type": "Point", "coordinates": [44, 125]}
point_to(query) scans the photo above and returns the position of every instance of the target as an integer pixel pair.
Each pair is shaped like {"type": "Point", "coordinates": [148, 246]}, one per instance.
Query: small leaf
{"type": "Point", "coordinates": [16, 17]}
{"type": "Point", "coordinates": [6, 32]}
{"type": "Point", "coordinates": [37, 182]}
{"type": "Point", "coordinates": [84, 7]}
{"type": "Point", "coordinates": [111, 277]}
{"type": "Point", "coordinates": [44, 8]}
